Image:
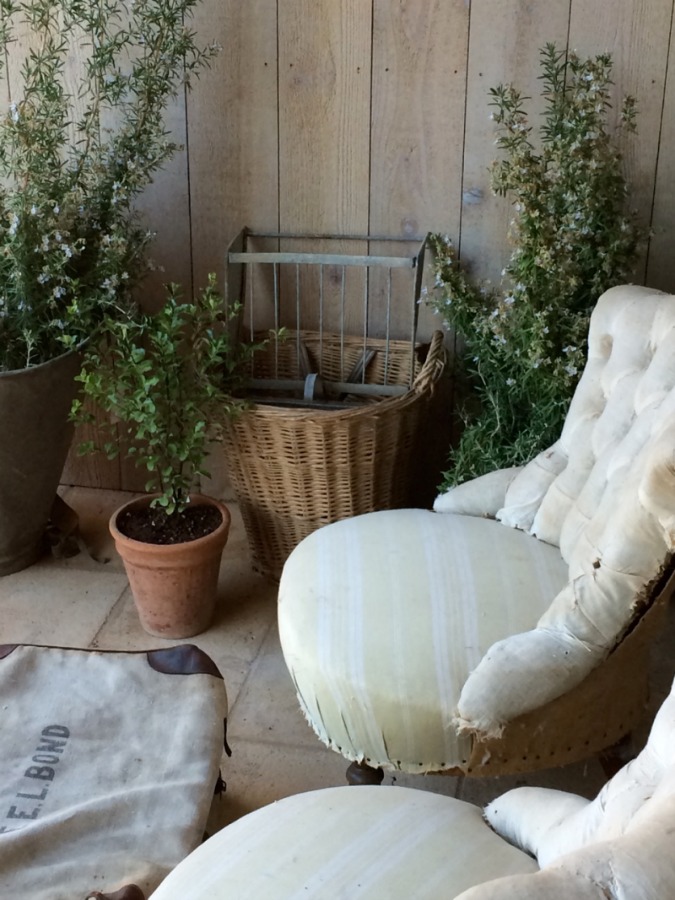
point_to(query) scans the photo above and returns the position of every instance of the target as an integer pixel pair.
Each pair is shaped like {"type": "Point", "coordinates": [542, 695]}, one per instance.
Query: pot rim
{"type": "Point", "coordinates": [167, 549]}
{"type": "Point", "coordinates": [40, 367]}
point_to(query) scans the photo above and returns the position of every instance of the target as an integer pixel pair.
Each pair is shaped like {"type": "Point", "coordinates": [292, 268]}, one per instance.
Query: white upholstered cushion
{"type": "Point", "coordinates": [383, 616]}
{"type": "Point", "coordinates": [605, 493]}
{"type": "Point", "coordinates": [381, 843]}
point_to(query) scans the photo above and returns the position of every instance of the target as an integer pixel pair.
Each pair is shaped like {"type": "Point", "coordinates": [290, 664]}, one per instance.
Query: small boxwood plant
{"type": "Point", "coordinates": [167, 380]}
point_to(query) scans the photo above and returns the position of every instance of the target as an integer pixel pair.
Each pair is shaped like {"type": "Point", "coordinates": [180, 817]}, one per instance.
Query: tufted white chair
{"type": "Point", "coordinates": [399, 844]}
{"type": "Point", "coordinates": [507, 629]}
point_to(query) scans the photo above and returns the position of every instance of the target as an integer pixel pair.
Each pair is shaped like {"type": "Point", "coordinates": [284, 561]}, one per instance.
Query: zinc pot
{"type": "Point", "coordinates": [174, 585]}
{"type": "Point", "coordinates": [35, 437]}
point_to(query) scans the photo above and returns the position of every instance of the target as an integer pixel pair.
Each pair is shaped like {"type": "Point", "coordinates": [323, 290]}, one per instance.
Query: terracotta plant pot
{"type": "Point", "coordinates": [174, 585]}
{"type": "Point", "coordinates": [35, 436]}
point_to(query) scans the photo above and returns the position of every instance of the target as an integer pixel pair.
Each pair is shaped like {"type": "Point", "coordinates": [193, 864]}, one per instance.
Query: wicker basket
{"type": "Point", "coordinates": [296, 469]}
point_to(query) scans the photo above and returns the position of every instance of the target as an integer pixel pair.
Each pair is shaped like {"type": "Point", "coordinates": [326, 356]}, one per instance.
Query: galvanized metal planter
{"type": "Point", "coordinates": [35, 436]}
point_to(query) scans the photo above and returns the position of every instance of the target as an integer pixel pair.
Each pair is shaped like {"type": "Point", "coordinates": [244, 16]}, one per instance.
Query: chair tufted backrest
{"type": "Point", "coordinates": [624, 397]}
{"type": "Point", "coordinates": [605, 494]}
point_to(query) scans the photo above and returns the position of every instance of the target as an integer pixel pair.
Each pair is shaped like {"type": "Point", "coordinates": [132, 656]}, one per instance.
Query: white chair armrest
{"type": "Point", "coordinates": [521, 673]}
{"type": "Point", "coordinates": [639, 864]}
{"type": "Point", "coordinates": [526, 816]}
{"type": "Point", "coordinates": [482, 496]}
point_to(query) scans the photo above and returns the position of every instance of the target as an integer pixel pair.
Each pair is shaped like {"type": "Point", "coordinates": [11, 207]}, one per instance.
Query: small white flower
{"type": "Point", "coordinates": [571, 370]}
{"type": "Point", "coordinates": [57, 237]}
{"type": "Point", "coordinates": [14, 112]}
{"type": "Point", "coordinates": [43, 278]}
{"type": "Point", "coordinates": [34, 210]}
{"type": "Point", "coordinates": [58, 291]}
{"type": "Point", "coordinates": [510, 382]}
{"type": "Point", "coordinates": [68, 253]}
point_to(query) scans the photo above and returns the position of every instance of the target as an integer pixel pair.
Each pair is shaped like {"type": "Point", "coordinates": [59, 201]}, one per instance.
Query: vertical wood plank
{"type": "Point", "coordinates": [636, 34]}
{"type": "Point", "coordinates": [661, 258]}
{"type": "Point", "coordinates": [233, 131]}
{"type": "Point", "coordinates": [504, 46]}
{"type": "Point", "coordinates": [418, 107]}
{"type": "Point", "coordinates": [164, 209]}
{"type": "Point", "coordinates": [324, 105]}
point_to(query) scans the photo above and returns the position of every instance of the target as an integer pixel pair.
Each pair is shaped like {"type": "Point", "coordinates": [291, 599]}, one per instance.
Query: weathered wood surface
{"type": "Point", "coordinates": [372, 117]}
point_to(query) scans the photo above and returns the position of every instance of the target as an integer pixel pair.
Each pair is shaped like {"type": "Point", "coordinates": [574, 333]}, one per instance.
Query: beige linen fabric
{"type": "Point", "coordinates": [383, 616]}
{"type": "Point", "coordinates": [108, 770]}
{"type": "Point", "coordinates": [383, 843]}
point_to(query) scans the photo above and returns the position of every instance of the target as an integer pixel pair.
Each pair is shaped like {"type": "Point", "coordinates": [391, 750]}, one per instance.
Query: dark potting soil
{"type": "Point", "coordinates": [153, 526]}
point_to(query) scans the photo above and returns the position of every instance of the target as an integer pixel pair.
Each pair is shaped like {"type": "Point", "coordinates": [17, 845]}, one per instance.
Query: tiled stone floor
{"type": "Point", "coordinates": [83, 603]}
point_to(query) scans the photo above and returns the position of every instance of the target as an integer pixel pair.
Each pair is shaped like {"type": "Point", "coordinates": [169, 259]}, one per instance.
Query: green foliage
{"type": "Point", "coordinates": [524, 344]}
{"type": "Point", "coordinates": [74, 156]}
{"type": "Point", "coordinates": [167, 381]}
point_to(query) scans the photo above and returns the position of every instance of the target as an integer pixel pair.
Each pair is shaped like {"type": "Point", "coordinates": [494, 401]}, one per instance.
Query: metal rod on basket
{"type": "Point", "coordinates": [251, 270]}
{"type": "Point", "coordinates": [321, 317]}
{"type": "Point", "coordinates": [275, 269]}
{"type": "Point", "coordinates": [342, 323]}
{"type": "Point", "coordinates": [297, 318]}
{"type": "Point", "coordinates": [388, 330]}
{"type": "Point", "coordinates": [365, 318]}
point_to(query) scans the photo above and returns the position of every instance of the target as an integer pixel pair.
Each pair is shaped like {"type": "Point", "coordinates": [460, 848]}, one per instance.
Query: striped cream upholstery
{"type": "Point", "coordinates": [372, 688]}
{"type": "Point", "coordinates": [408, 632]}
{"type": "Point", "coordinates": [383, 843]}
{"type": "Point", "coordinates": [395, 843]}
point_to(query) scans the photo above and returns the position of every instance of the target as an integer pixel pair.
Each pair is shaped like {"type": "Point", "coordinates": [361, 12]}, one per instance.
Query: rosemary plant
{"type": "Point", "coordinates": [75, 151]}
{"type": "Point", "coordinates": [524, 343]}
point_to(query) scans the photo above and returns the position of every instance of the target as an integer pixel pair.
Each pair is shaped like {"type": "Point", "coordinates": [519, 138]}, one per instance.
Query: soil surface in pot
{"type": "Point", "coordinates": [153, 526]}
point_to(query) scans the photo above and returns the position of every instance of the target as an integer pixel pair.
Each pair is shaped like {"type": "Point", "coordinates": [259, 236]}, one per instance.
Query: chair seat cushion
{"type": "Point", "coordinates": [376, 842]}
{"type": "Point", "coordinates": [383, 616]}
{"type": "Point", "coordinates": [109, 763]}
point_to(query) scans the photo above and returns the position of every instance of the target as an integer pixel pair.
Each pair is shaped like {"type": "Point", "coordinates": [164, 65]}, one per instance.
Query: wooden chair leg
{"type": "Point", "coordinates": [362, 773]}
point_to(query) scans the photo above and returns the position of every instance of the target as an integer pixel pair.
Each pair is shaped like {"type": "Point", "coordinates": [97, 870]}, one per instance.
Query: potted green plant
{"type": "Point", "coordinates": [168, 380]}
{"type": "Point", "coordinates": [74, 154]}
{"type": "Point", "coordinates": [524, 343]}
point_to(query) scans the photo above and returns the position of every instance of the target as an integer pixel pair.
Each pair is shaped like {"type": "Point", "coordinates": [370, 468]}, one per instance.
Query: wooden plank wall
{"type": "Point", "coordinates": [371, 116]}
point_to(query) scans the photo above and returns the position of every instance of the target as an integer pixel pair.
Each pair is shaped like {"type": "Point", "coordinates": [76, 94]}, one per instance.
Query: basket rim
{"type": "Point", "coordinates": [424, 382]}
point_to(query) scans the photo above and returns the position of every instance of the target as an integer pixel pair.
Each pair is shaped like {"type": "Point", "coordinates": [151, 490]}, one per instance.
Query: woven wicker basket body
{"type": "Point", "coordinates": [296, 469]}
